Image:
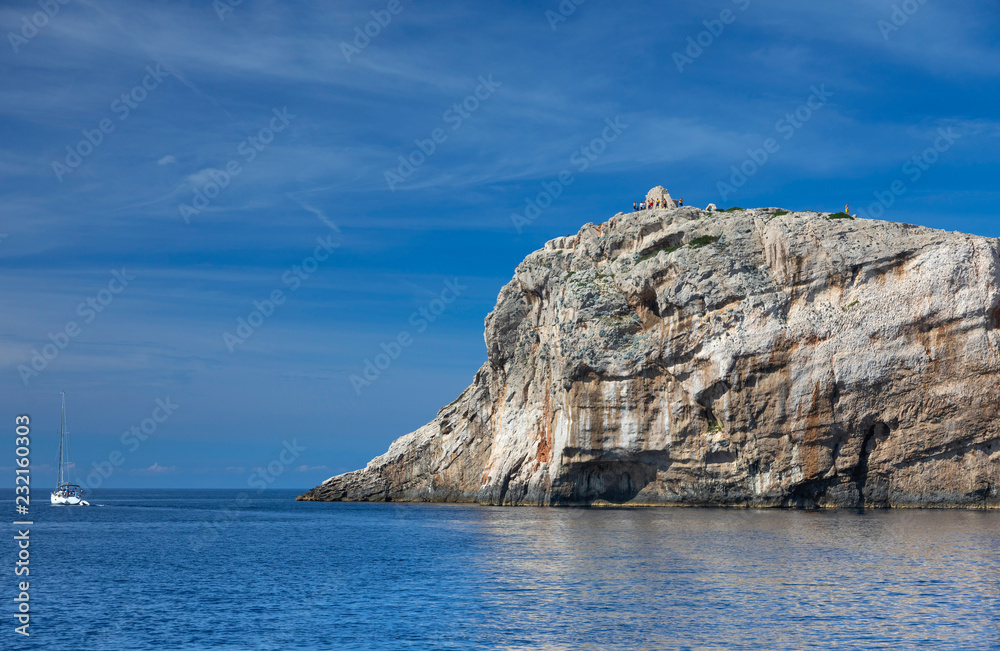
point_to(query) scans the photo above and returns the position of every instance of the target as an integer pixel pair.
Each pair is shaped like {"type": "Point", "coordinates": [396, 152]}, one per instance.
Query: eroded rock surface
{"type": "Point", "coordinates": [747, 358]}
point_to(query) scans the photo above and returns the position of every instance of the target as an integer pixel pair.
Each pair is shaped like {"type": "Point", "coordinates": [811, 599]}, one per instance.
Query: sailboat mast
{"type": "Point", "coordinates": [62, 436]}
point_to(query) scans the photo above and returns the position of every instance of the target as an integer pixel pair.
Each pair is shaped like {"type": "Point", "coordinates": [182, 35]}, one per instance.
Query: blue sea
{"type": "Point", "coordinates": [200, 569]}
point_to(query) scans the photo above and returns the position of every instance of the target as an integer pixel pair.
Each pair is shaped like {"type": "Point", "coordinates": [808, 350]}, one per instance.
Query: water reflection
{"type": "Point", "coordinates": [759, 579]}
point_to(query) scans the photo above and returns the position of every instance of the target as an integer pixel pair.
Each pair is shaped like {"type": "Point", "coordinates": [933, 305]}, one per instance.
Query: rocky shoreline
{"type": "Point", "coordinates": [762, 358]}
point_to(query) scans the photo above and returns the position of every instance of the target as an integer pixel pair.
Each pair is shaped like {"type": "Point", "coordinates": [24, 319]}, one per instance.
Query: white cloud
{"type": "Point", "coordinates": [319, 214]}
{"type": "Point", "coordinates": [202, 178]}
{"type": "Point", "coordinates": [166, 160]}
{"type": "Point", "coordinates": [155, 469]}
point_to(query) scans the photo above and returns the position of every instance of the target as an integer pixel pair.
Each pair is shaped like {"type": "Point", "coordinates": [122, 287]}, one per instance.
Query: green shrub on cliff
{"type": "Point", "coordinates": [656, 252]}
{"type": "Point", "coordinates": [704, 240]}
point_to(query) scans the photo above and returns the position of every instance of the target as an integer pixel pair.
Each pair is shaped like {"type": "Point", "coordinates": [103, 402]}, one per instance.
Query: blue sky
{"type": "Point", "coordinates": [442, 240]}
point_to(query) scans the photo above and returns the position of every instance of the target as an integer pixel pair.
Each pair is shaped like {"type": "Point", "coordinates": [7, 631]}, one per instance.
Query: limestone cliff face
{"type": "Point", "coordinates": [749, 358]}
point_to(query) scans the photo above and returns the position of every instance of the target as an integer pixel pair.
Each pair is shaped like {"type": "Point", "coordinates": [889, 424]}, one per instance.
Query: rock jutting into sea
{"type": "Point", "coordinates": [744, 358]}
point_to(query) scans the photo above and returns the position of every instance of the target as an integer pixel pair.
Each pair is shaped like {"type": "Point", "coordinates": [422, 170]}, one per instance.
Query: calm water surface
{"type": "Point", "coordinates": [206, 570]}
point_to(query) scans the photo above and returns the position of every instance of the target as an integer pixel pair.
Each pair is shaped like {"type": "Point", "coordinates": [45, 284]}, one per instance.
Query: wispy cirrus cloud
{"type": "Point", "coordinates": [155, 469]}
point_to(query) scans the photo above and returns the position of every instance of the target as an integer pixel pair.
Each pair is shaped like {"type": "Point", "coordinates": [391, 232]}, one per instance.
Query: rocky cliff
{"type": "Point", "coordinates": [758, 357]}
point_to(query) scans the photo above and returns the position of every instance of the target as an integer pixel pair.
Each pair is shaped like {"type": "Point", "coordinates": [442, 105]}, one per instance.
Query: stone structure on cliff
{"type": "Point", "coordinates": [751, 358]}
{"type": "Point", "coordinates": [660, 193]}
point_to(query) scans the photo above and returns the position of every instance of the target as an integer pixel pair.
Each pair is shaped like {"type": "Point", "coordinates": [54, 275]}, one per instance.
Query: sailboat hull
{"type": "Point", "coordinates": [71, 500]}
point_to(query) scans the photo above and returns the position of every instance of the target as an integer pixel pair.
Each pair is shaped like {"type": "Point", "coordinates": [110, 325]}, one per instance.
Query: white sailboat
{"type": "Point", "coordinates": [65, 494]}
